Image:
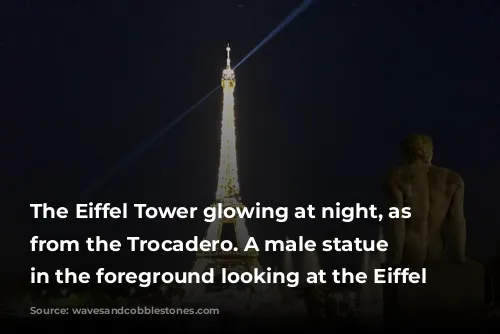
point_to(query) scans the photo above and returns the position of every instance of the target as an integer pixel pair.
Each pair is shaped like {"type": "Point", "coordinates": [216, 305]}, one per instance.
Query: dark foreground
{"type": "Point", "coordinates": [221, 325]}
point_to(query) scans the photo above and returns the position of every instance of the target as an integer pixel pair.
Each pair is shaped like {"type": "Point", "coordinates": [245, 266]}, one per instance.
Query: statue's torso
{"type": "Point", "coordinates": [428, 190]}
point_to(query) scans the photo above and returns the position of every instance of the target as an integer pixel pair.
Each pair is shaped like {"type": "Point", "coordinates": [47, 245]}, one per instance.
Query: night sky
{"type": "Point", "coordinates": [320, 111]}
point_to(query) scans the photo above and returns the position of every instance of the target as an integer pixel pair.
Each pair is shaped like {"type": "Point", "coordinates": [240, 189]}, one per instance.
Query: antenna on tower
{"type": "Point", "coordinates": [228, 60]}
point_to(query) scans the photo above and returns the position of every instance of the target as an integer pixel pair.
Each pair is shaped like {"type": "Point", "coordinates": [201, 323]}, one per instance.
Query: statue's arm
{"type": "Point", "coordinates": [457, 232]}
{"type": "Point", "coordinates": [396, 226]}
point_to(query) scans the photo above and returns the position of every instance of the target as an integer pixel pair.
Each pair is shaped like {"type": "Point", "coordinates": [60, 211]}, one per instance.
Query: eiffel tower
{"type": "Point", "coordinates": [228, 194]}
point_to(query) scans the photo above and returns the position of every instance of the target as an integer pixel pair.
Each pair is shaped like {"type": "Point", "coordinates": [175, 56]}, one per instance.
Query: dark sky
{"type": "Point", "coordinates": [321, 108]}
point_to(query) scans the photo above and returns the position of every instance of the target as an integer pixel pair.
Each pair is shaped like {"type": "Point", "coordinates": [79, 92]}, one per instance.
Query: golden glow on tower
{"type": "Point", "coordinates": [228, 194]}
{"type": "Point", "coordinates": [228, 187]}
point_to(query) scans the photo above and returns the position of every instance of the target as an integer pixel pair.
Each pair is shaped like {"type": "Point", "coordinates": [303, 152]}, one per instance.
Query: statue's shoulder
{"type": "Point", "coordinates": [394, 175]}
{"type": "Point", "coordinates": [452, 178]}
{"type": "Point", "coordinates": [396, 172]}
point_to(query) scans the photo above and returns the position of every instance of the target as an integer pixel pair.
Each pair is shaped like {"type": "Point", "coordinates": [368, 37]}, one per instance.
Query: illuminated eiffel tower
{"type": "Point", "coordinates": [228, 194]}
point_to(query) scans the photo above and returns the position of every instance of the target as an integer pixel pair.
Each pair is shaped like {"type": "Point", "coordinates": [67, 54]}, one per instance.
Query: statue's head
{"type": "Point", "coordinates": [417, 148]}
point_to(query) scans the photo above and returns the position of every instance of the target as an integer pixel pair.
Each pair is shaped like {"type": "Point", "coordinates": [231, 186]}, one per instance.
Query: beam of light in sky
{"type": "Point", "coordinates": [144, 146]}
{"type": "Point", "coordinates": [292, 16]}
{"type": "Point", "coordinates": [149, 142]}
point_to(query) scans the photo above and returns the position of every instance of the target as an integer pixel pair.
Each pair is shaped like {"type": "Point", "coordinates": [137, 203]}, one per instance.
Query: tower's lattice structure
{"type": "Point", "coordinates": [228, 193]}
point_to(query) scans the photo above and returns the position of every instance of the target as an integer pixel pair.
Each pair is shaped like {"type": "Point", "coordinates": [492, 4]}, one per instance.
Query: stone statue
{"type": "Point", "coordinates": [437, 229]}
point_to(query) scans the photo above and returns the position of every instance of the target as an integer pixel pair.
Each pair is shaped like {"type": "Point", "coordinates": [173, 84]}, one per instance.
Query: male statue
{"type": "Point", "coordinates": [436, 229]}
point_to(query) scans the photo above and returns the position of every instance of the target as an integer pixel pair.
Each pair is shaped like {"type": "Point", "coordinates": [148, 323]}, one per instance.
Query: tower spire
{"type": "Point", "coordinates": [228, 60]}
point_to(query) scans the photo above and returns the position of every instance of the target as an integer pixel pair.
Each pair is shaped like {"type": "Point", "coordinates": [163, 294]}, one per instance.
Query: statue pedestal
{"type": "Point", "coordinates": [454, 295]}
